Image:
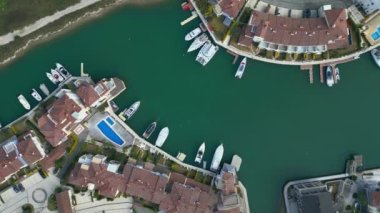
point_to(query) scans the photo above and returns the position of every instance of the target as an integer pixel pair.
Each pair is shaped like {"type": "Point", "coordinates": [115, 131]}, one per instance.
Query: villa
{"type": "Point", "coordinates": [17, 153]}
{"type": "Point", "coordinates": [94, 95]}
{"type": "Point", "coordinates": [229, 9]}
{"type": "Point", "coordinates": [62, 117]}
{"type": "Point", "coordinates": [298, 35]}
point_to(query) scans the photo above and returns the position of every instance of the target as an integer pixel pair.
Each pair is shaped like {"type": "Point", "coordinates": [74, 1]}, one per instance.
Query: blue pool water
{"type": "Point", "coordinates": [376, 34]}
{"type": "Point", "coordinates": [110, 121]}
{"type": "Point", "coordinates": [105, 127]}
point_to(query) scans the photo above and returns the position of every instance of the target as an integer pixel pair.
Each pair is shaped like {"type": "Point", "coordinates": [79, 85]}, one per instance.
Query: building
{"type": "Point", "coordinates": [17, 153]}
{"type": "Point", "coordinates": [226, 181]}
{"type": "Point", "coordinates": [369, 6]}
{"type": "Point", "coordinates": [49, 161]}
{"type": "Point", "coordinates": [297, 35]}
{"type": "Point", "coordinates": [373, 201]}
{"type": "Point", "coordinates": [229, 9]}
{"type": "Point", "coordinates": [94, 95]}
{"type": "Point", "coordinates": [62, 117]}
{"type": "Point", "coordinates": [64, 202]}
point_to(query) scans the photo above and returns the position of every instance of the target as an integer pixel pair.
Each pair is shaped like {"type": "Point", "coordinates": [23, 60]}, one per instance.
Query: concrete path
{"type": "Point", "coordinates": [308, 4]}
{"type": "Point", "coordinates": [7, 38]}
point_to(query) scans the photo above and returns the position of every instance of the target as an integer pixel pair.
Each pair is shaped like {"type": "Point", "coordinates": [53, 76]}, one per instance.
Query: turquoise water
{"type": "Point", "coordinates": [281, 126]}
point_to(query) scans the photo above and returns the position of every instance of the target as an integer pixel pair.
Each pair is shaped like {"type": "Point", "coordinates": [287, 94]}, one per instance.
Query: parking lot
{"type": "Point", "coordinates": [37, 190]}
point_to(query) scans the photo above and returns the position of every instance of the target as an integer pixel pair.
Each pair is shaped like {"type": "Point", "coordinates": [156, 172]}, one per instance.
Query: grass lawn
{"type": "Point", "coordinates": [15, 14]}
{"type": "Point", "coordinates": [216, 25]}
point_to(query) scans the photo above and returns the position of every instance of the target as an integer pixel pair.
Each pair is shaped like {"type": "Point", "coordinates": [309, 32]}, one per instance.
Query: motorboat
{"type": "Point", "coordinates": [23, 102]}
{"type": "Point", "coordinates": [51, 78]}
{"type": "Point", "coordinates": [376, 56]}
{"type": "Point", "coordinates": [200, 153]}
{"type": "Point", "coordinates": [162, 136]}
{"type": "Point", "coordinates": [337, 74]}
{"type": "Point", "coordinates": [132, 109]}
{"type": "Point", "coordinates": [56, 75]}
{"type": "Point", "coordinates": [206, 53]}
{"type": "Point", "coordinates": [36, 95]}
{"type": "Point", "coordinates": [192, 34]}
{"type": "Point", "coordinates": [240, 70]}
{"type": "Point", "coordinates": [149, 130]}
{"type": "Point", "coordinates": [217, 158]}
{"type": "Point", "coordinates": [62, 70]}
{"type": "Point", "coordinates": [329, 77]}
{"type": "Point", "coordinates": [198, 42]}
{"type": "Point", "coordinates": [44, 89]}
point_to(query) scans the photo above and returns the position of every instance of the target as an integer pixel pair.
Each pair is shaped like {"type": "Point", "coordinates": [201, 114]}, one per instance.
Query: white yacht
{"type": "Point", "coordinates": [23, 102]}
{"type": "Point", "coordinates": [194, 33]}
{"type": "Point", "coordinates": [206, 53]}
{"type": "Point", "coordinates": [62, 70]}
{"type": "Point", "coordinates": [132, 109]}
{"type": "Point", "coordinates": [240, 70]}
{"type": "Point", "coordinates": [44, 89]}
{"type": "Point", "coordinates": [58, 77]}
{"type": "Point", "coordinates": [376, 56]}
{"type": "Point", "coordinates": [51, 78]}
{"type": "Point", "coordinates": [329, 77]}
{"type": "Point", "coordinates": [218, 155]}
{"type": "Point", "coordinates": [162, 136]}
{"type": "Point", "coordinates": [36, 95]}
{"type": "Point", "coordinates": [337, 74]}
{"type": "Point", "coordinates": [198, 42]}
{"type": "Point", "coordinates": [200, 153]}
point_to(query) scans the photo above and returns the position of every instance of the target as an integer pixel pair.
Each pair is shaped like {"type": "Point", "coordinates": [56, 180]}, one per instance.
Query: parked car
{"type": "Point", "coordinates": [21, 187]}
{"type": "Point", "coordinates": [15, 188]}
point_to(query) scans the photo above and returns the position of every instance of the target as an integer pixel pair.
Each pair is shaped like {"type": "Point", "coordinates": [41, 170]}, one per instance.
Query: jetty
{"type": "Point", "coordinates": [192, 17]}
{"type": "Point", "coordinates": [311, 74]}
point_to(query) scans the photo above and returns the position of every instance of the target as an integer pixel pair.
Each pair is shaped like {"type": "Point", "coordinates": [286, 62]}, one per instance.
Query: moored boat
{"type": "Point", "coordinates": [337, 74]}
{"type": "Point", "coordinates": [200, 153]}
{"type": "Point", "coordinates": [198, 42]}
{"type": "Point", "coordinates": [23, 102]}
{"type": "Point", "coordinates": [149, 130]}
{"type": "Point", "coordinates": [217, 158]}
{"type": "Point", "coordinates": [58, 77]}
{"type": "Point", "coordinates": [132, 109]}
{"type": "Point", "coordinates": [329, 77]}
{"type": "Point", "coordinates": [206, 53]}
{"type": "Point", "coordinates": [36, 95]}
{"type": "Point", "coordinates": [376, 56]}
{"type": "Point", "coordinates": [44, 89]}
{"type": "Point", "coordinates": [51, 78]}
{"type": "Point", "coordinates": [162, 136]}
{"type": "Point", "coordinates": [62, 70]}
{"type": "Point", "coordinates": [240, 70]}
{"type": "Point", "coordinates": [192, 34]}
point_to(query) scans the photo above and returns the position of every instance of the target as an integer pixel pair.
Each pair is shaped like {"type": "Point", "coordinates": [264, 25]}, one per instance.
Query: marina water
{"type": "Point", "coordinates": [281, 126]}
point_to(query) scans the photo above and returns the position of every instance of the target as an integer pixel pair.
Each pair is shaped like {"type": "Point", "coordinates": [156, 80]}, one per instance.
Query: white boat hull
{"type": "Point", "coordinates": [194, 33]}
{"type": "Point", "coordinates": [24, 102]}
{"type": "Point", "coordinates": [376, 56]}
{"type": "Point", "coordinates": [132, 109]}
{"type": "Point", "coordinates": [44, 89]}
{"type": "Point", "coordinates": [200, 153]}
{"type": "Point", "coordinates": [198, 42]}
{"type": "Point", "coordinates": [162, 136]}
{"type": "Point", "coordinates": [241, 69]}
{"type": "Point", "coordinates": [206, 53]}
{"type": "Point", "coordinates": [58, 77]}
{"type": "Point", "coordinates": [218, 155]}
{"type": "Point", "coordinates": [36, 95]}
{"type": "Point", "coordinates": [51, 78]}
{"type": "Point", "coordinates": [329, 77]}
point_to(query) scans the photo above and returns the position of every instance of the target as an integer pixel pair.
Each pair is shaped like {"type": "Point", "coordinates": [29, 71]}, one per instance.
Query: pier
{"type": "Point", "coordinates": [321, 76]}
{"type": "Point", "coordinates": [311, 74]}
{"type": "Point", "coordinates": [192, 17]}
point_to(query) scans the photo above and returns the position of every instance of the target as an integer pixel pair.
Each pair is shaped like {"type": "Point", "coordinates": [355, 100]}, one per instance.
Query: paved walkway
{"type": "Point", "coordinates": [7, 38]}
{"type": "Point", "coordinates": [85, 205]}
{"type": "Point", "coordinates": [308, 4]}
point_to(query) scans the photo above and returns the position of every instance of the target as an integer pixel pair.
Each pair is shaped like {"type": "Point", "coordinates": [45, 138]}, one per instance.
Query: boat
{"type": "Point", "coordinates": [329, 77]}
{"type": "Point", "coordinates": [198, 42]}
{"type": "Point", "coordinates": [162, 136]}
{"type": "Point", "coordinates": [194, 33]}
{"type": "Point", "coordinates": [337, 74]}
{"type": "Point", "coordinates": [132, 109]}
{"type": "Point", "coordinates": [206, 53]}
{"type": "Point", "coordinates": [56, 75]}
{"type": "Point", "coordinates": [44, 89]}
{"type": "Point", "coordinates": [62, 70]}
{"type": "Point", "coordinates": [240, 70]}
{"type": "Point", "coordinates": [376, 56]}
{"type": "Point", "coordinates": [218, 155]}
{"type": "Point", "coordinates": [149, 130]}
{"type": "Point", "coordinates": [51, 78]}
{"type": "Point", "coordinates": [200, 153]}
{"type": "Point", "coordinates": [36, 95]}
{"type": "Point", "coordinates": [23, 102]}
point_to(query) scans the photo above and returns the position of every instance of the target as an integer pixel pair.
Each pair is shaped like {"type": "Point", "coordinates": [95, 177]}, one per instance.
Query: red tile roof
{"type": "Point", "coordinates": [375, 199]}
{"type": "Point", "coordinates": [49, 160]}
{"type": "Point", "coordinates": [231, 7]}
{"type": "Point", "coordinates": [58, 117]}
{"type": "Point", "coordinates": [228, 183]}
{"type": "Point", "coordinates": [330, 31]}
{"type": "Point", "coordinates": [63, 202]}
{"type": "Point", "coordinates": [142, 183]}
{"type": "Point", "coordinates": [88, 94]}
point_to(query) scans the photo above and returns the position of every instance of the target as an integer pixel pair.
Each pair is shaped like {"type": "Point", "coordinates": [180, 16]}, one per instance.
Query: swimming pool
{"type": "Point", "coordinates": [376, 35]}
{"type": "Point", "coordinates": [105, 126]}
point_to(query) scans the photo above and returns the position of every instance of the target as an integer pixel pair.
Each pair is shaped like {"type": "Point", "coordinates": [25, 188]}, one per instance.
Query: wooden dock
{"type": "Point", "coordinates": [192, 17]}
{"type": "Point", "coordinates": [311, 73]}
{"type": "Point", "coordinates": [321, 73]}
